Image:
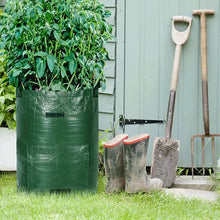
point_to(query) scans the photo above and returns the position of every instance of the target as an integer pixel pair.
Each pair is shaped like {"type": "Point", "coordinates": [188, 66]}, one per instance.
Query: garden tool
{"type": "Point", "coordinates": [205, 104]}
{"type": "Point", "coordinates": [135, 161]}
{"type": "Point", "coordinates": [114, 167]}
{"type": "Point", "coordinates": [166, 150]}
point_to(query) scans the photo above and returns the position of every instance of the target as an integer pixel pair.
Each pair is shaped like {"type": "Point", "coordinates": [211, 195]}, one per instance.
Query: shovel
{"type": "Point", "coordinates": [166, 150]}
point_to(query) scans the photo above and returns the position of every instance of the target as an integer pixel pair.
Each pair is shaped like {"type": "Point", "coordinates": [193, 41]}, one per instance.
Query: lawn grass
{"type": "Point", "coordinates": [153, 205]}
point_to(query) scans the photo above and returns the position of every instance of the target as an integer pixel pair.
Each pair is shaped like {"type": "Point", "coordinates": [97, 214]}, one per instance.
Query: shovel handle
{"type": "Point", "coordinates": [173, 88]}
{"type": "Point", "coordinates": [180, 37]}
{"type": "Point", "coordinates": [180, 18]}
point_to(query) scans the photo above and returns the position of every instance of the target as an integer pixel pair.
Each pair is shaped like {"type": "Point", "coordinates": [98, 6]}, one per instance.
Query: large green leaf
{"type": "Point", "coordinates": [40, 66]}
{"type": "Point", "coordinates": [56, 35]}
{"type": "Point", "coordinates": [58, 87]}
{"type": "Point", "coordinates": [39, 10]}
{"type": "Point", "coordinates": [2, 116]}
{"type": "Point", "coordinates": [10, 107]}
{"type": "Point", "coordinates": [14, 115]}
{"type": "Point", "coordinates": [92, 27]}
{"type": "Point", "coordinates": [16, 72]}
{"type": "Point", "coordinates": [10, 97]}
{"type": "Point", "coordinates": [1, 90]}
{"type": "Point", "coordinates": [2, 100]}
{"type": "Point", "coordinates": [40, 54]}
{"type": "Point", "coordinates": [51, 59]}
{"type": "Point", "coordinates": [107, 13]}
{"type": "Point", "coordinates": [72, 66]}
{"type": "Point", "coordinates": [10, 123]}
{"type": "Point", "coordinates": [63, 71]}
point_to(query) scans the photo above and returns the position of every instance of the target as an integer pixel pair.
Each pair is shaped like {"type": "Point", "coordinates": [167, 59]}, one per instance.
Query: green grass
{"type": "Point", "coordinates": [153, 205]}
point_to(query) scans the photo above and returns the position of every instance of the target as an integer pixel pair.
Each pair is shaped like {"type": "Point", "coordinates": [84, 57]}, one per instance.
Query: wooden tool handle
{"type": "Point", "coordinates": [203, 45]}
{"type": "Point", "coordinates": [203, 11]}
{"type": "Point", "coordinates": [180, 18]}
{"type": "Point", "coordinates": [180, 37]}
{"type": "Point", "coordinates": [204, 72]}
{"type": "Point", "coordinates": [203, 35]}
{"type": "Point", "coordinates": [176, 66]}
{"type": "Point", "coordinates": [173, 88]}
{"type": "Point", "coordinates": [170, 113]}
{"type": "Point", "coordinates": [204, 67]}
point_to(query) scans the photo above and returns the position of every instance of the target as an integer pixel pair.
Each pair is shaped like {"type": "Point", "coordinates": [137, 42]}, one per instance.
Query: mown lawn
{"type": "Point", "coordinates": [153, 205]}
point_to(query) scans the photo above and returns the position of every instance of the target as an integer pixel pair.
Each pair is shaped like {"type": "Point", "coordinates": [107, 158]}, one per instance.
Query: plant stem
{"type": "Point", "coordinates": [71, 80]}
{"type": "Point", "coordinates": [39, 84]}
{"type": "Point", "coordinates": [46, 81]}
{"type": "Point", "coordinates": [90, 37]}
{"type": "Point", "coordinates": [52, 80]}
{"type": "Point", "coordinates": [59, 57]}
{"type": "Point", "coordinates": [45, 42]}
{"type": "Point", "coordinates": [22, 85]}
{"type": "Point", "coordinates": [55, 50]}
{"type": "Point", "coordinates": [33, 82]}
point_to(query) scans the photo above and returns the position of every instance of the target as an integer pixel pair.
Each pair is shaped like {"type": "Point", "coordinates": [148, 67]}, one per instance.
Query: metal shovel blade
{"type": "Point", "coordinates": [165, 153]}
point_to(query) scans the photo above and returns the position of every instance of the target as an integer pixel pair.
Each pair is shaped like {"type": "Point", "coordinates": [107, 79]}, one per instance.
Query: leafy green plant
{"type": "Point", "coordinates": [182, 171]}
{"type": "Point", "coordinates": [54, 44]}
{"type": "Point", "coordinates": [217, 176]}
{"type": "Point", "coordinates": [7, 99]}
{"type": "Point", "coordinates": [103, 137]}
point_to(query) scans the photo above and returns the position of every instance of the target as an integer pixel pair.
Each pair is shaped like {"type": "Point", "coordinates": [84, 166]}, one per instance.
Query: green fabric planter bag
{"type": "Point", "coordinates": [57, 140]}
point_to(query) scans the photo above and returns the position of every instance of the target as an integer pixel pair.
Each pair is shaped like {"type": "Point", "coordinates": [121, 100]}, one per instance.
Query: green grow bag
{"type": "Point", "coordinates": [57, 140]}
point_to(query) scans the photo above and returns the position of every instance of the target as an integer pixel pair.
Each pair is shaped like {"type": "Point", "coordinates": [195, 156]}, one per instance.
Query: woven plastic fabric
{"type": "Point", "coordinates": [57, 140]}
